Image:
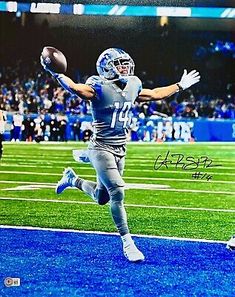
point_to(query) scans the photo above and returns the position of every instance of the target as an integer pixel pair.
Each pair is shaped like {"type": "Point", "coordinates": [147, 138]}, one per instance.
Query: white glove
{"type": "Point", "coordinates": [189, 79]}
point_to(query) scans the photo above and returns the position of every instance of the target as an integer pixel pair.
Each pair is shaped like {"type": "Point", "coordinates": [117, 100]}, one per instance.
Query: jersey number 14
{"type": "Point", "coordinates": [123, 114]}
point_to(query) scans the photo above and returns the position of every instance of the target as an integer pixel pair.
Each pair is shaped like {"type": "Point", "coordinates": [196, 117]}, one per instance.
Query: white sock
{"type": "Point", "coordinates": [127, 240]}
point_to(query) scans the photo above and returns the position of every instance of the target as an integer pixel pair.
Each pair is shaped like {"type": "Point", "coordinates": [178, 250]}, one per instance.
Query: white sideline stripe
{"type": "Point", "coordinates": [126, 204]}
{"type": "Point", "coordinates": [31, 228]}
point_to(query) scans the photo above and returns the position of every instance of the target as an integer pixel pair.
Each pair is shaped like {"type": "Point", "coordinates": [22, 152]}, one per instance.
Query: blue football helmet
{"type": "Point", "coordinates": [108, 62]}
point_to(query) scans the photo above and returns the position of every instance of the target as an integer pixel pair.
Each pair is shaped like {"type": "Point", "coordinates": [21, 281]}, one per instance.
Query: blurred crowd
{"type": "Point", "coordinates": [24, 92]}
{"type": "Point", "coordinates": [48, 127]}
{"type": "Point", "coordinates": [33, 91]}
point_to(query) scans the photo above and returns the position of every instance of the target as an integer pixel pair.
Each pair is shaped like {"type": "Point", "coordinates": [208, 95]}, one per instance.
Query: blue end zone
{"type": "Point", "coordinates": [73, 264]}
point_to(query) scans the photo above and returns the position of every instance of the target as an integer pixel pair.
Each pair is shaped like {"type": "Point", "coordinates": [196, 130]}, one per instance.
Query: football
{"type": "Point", "coordinates": [54, 59]}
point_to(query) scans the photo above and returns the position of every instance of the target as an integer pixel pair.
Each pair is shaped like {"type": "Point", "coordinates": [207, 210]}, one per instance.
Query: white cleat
{"type": "Point", "coordinates": [231, 244]}
{"type": "Point", "coordinates": [132, 253]}
{"type": "Point", "coordinates": [66, 181]}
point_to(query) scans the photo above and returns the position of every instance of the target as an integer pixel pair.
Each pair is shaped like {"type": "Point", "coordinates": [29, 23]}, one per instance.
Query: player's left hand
{"type": "Point", "coordinates": [189, 79]}
{"type": "Point", "coordinates": [46, 67]}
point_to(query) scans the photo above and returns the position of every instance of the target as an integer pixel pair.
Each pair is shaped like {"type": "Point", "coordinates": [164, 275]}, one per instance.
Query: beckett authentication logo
{"type": "Point", "coordinates": [12, 281]}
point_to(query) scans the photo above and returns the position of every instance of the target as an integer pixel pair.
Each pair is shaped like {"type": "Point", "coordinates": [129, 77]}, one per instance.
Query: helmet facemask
{"type": "Point", "coordinates": [124, 66]}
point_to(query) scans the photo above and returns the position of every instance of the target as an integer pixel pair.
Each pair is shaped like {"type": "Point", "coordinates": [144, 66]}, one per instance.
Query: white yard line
{"type": "Point", "coordinates": [135, 178]}
{"type": "Point", "coordinates": [49, 186]}
{"type": "Point", "coordinates": [62, 158]}
{"type": "Point", "coordinates": [31, 228]}
{"type": "Point", "coordinates": [82, 167]}
{"type": "Point", "coordinates": [192, 180]}
{"type": "Point", "coordinates": [128, 162]}
{"type": "Point", "coordinates": [191, 171]}
{"type": "Point", "coordinates": [144, 170]}
{"type": "Point", "coordinates": [126, 204]}
{"type": "Point", "coordinates": [198, 191]}
{"type": "Point", "coordinates": [25, 182]}
{"type": "Point", "coordinates": [144, 187]}
{"type": "Point", "coordinates": [30, 173]}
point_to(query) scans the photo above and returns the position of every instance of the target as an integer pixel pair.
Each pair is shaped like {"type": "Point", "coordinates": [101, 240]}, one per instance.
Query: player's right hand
{"type": "Point", "coordinates": [46, 67]}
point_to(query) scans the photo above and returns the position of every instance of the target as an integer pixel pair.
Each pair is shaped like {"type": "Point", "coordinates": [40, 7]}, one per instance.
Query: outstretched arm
{"type": "Point", "coordinates": [186, 81]}
{"type": "Point", "coordinates": [84, 91]}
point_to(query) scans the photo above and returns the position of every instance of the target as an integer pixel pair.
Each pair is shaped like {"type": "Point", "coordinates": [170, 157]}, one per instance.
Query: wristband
{"type": "Point", "coordinates": [179, 86]}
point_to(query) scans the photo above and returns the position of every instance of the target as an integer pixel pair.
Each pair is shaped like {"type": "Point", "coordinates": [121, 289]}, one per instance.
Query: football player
{"type": "Point", "coordinates": [112, 93]}
{"type": "Point", "coordinates": [2, 130]}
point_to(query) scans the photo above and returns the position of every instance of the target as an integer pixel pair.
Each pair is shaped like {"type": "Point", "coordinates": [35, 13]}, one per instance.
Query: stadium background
{"type": "Point", "coordinates": [183, 218]}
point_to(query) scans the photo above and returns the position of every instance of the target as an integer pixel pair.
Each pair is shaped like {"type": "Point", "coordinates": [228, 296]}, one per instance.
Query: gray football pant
{"type": "Point", "coordinates": [109, 186]}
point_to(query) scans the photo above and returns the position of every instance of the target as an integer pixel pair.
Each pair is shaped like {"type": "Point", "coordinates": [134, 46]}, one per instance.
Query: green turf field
{"type": "Point", "coordinates": [164, 202]}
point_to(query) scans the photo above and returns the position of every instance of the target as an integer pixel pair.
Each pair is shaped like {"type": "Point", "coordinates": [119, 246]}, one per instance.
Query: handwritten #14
{"type": "Point", "coordinates": [183, 162]}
